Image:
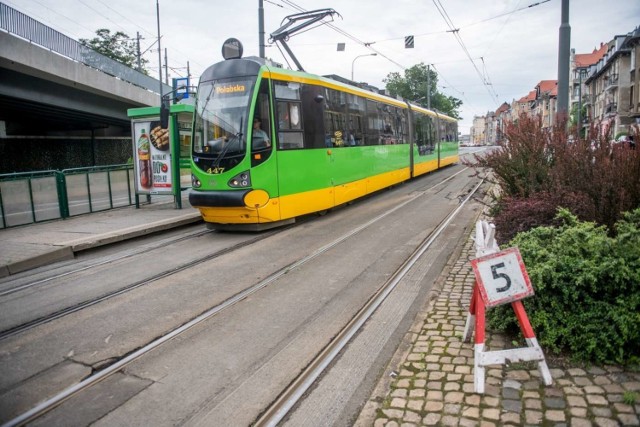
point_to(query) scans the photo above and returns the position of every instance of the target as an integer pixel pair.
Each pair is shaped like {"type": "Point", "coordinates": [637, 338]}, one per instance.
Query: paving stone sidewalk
{"type": "Point", "coordinates": [434, 382]}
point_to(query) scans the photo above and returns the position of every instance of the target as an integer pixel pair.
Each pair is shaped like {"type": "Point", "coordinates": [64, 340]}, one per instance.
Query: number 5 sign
{"type": "Point", "coordinates": [501, 277]}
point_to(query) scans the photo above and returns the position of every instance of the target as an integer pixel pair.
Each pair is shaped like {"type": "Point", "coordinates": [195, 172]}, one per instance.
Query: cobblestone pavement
{"type": "Point", "coordinates": [434, 383]}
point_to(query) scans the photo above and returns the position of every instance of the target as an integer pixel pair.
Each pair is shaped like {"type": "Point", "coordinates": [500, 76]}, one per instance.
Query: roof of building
{"type": "Point", "coordinates": [531, 96]}
{"type": "Point", "coordinates": [548, 86]}
{"type": "Point", "coordinates": [633, 38]}
{"type": "Point", "coordinates": [504, 107]}
{"type": "Point", "coordinates": [587, 59]}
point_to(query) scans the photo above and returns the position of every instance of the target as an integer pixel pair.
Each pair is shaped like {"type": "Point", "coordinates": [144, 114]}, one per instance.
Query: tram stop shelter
{"type": "Point", "coordinates": [161, 157]}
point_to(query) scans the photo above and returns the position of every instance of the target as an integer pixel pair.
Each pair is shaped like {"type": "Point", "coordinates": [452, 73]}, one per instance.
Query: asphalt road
{"type": "Point", "coordinates": [229, 368]}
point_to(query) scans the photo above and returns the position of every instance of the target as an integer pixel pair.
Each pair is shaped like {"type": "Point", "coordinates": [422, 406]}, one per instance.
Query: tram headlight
{"type": "Point", "coordinates": [242, 180]}
{"type": "Point", "coordinates": [195, 182]}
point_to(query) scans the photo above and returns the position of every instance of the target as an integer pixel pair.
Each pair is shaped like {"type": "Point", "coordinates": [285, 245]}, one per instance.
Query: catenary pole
{"type": "Point", "coordinates": [564, 54]}
{"type": "Point", "coordinates": [261, 27]}
{"type": "Point", "coordinates": [159, 49]}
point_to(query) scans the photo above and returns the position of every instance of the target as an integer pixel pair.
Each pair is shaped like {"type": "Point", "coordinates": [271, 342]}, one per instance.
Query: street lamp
{"type": "Point", "coordinates": [360, 56]}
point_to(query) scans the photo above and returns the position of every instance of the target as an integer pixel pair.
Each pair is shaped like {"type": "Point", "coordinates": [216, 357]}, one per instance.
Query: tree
{"type": "Point", "coordinates": [413, 87]}
{"type": "Point", "coordinates": [119, 47]}
{"type": "Point", "coordinates": [573, 117]}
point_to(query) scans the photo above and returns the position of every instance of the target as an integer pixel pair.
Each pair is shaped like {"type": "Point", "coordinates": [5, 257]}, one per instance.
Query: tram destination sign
{"type": "Point", "coordinates": [502, 277]}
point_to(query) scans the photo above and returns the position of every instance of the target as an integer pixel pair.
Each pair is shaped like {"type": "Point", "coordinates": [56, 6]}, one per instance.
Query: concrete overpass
{"type": "Point", "coordinates": [45, 90]}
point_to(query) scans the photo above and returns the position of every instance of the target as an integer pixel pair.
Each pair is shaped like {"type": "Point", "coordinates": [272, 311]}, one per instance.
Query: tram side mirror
{"type": "Point", "coordinates": [164, 113]}
{"type": "Point", "coordinates": [319, 98]}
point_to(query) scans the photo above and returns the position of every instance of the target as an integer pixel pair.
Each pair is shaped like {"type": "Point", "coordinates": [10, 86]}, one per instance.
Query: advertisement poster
{"type": "Point", "coordinates": [152, 157]}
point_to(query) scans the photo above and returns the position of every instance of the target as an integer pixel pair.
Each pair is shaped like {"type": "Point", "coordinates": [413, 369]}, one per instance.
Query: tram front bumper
{"type": "Point", "coordinates": [245, 206]}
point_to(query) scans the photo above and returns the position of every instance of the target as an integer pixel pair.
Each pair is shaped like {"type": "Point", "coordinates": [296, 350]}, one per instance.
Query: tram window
{"type": "Point", "coordinates": [290, 134]}
{"type": "Point", "coordinates": [312, 116]}
{"type": "Point", "coordinates": [290, 140]}
{"type": "Point", "coordinates": [452, 132]}
{"type": "Point", "coordinates": [289, 117]}
{"type": "Point", "coordinates": [356, 112]}
{"type": "Point", "coordinates": [424, 134]}
{"type": "Point", "coordinates": [355, 136]}
{"type": "Point", "coordinates": [388, 130]}
{"type": "Point", "coordinates": [261, 141]}
{"type": "Point", "coordinates": [287, 90]}
{"type": "Point", "coordinates": [335, 100]}
{"type": "Point", "coordinates": [334, 127]}
{"type": "Point", "coordinates": [373, 123]}
{"type": "Point", "coordinates": [335, 119]}
{"type": "Point", "coordinates": [443, 130]}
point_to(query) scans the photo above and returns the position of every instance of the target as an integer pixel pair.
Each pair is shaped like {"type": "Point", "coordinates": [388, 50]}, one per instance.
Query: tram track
{"type": "Point", "coordinates": [118, 365]}
{"type": "Point", "coordinates": [109, 260]}
{"type": "Point", "coordinates": [295, 392]}
{"type": "Point", "coordinates": [7, 333]}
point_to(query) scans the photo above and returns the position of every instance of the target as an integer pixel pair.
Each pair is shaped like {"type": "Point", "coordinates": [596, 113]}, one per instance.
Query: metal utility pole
{"type": "Point", "coordinates": [166, 67]}
{"type": "Point", "coordinates": [261, 27]}
{"type": "Point", "coordinates": [159, 50]}
{"type": "Point", "coordinates": [564, 53]}
{"type": "Point", "coordinates": [428, 87]}
{"type": "Point", "coordinates": [138, 51]}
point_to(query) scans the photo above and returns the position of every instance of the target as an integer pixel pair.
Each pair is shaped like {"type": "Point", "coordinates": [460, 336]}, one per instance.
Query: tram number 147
{"type": "Point", "coordinates": [502, 277]}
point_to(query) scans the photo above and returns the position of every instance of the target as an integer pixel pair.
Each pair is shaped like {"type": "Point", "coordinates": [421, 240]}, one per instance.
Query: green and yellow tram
{"type": "Point", "coordinates": [271, 144]}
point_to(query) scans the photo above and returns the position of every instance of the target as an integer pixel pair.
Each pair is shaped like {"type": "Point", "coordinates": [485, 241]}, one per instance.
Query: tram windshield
{"type": "Point", "coordinates": [222, 108]}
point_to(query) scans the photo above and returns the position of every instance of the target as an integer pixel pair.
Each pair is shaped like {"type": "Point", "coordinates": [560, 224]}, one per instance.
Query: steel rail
{"type": "Point", "coordinates": [101, 375]}
{"type": "Point", "coordinates": [276, 412]}
{"type": "Point", "coordinates": [88, 303]}
{"type": "Point", "coordinates": [108, 260]}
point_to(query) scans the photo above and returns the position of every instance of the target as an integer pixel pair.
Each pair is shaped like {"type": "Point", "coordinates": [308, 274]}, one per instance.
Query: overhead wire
{"type": "Point", "coordinates": [495, 35]}
{"type": "Point", "coordinates": [368, 46]}
{"type": "Point", "coordinates": [484, 75]}
{"type": "Point", "coordinates": [349, 36]}
{"type": "Point", "coordinates": [452, 87]}
{"type": "Point", "coordinates": [45, 20]}
{"type": "Point", "coordinates": [517, 9]}
{"type": "Point", "coordinates": [151, 34]}
{"type": "Point", "coordinates": [455, 31]}
{"type": "Point", "coordinates": [127, 19]}
{"type": "Point", "coordinates": [506, 13]}
{"type": "Point", "coordinates": [103, 15]}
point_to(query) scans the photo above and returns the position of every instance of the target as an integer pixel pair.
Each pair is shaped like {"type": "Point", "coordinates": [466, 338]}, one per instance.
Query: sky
{"type": "Point", "coordinates": [502, 50]}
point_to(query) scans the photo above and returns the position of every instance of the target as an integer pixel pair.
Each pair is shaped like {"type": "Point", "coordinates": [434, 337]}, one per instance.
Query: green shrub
{"type": "Point", "coordinates": [587, 289]}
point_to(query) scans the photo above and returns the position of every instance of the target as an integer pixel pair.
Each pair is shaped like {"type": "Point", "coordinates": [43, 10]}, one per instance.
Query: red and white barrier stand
{"type": "Point", "coordinates": [501, 278]}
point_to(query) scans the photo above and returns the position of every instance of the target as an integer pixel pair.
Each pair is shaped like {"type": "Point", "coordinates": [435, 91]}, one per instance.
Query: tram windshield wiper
{"type": "Point", "coordinates": [228, 144]}
{"type": "Point", "coordinates": [207, 99]}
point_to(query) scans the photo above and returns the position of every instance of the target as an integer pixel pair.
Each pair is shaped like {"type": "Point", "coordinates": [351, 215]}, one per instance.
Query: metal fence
{"type": "Point", "coordinates": [39, 196]}
{"type": "Point", "coordinates": [28, 28]}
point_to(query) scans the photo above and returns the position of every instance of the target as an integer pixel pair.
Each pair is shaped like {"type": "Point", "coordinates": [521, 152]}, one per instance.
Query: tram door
{"type": "Point", "coordinates": [344, 115]}
{"type": "Point", "coordinates": [304, 168]}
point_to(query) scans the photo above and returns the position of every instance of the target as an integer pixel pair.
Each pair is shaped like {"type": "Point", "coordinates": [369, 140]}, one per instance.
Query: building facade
{"type": "Point", "coordinates": [604, 89]}
{"type": "Point", "coordinates": [632, 43]}
{"type": "Point", "coordinates": [580, 98]}
{"type": "Point", "coordinates": [608, 83]}
{"type": "Point", "coordinates": [477, 132]}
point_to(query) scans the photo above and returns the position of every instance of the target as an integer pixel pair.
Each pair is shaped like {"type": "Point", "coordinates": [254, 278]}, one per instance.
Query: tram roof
{"type": "Point", "coordinates": [253, 66]}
